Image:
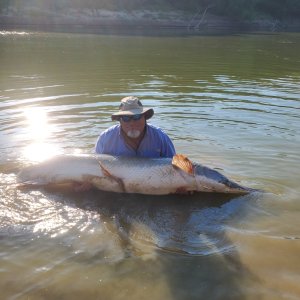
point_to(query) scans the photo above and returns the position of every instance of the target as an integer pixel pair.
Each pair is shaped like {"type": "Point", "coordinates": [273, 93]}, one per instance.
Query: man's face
{"type": "Point", "coordinates": [133, 126]}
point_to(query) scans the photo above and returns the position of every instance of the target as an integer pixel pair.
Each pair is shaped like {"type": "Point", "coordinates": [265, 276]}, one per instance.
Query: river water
{"type": "Point", "coordinates": [230, 102]}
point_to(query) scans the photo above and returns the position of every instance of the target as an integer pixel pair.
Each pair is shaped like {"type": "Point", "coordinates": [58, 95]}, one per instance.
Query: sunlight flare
{"type": "Point", "coordinates": [38, 130]}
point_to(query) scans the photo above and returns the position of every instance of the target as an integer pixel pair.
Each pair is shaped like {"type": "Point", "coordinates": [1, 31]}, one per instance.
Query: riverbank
{"type": "Point", "coordinates": [136, 19]}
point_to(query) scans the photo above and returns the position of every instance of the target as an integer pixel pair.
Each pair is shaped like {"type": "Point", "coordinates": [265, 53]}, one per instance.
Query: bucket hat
{"type": "Point", "coordinates": [132, 106]}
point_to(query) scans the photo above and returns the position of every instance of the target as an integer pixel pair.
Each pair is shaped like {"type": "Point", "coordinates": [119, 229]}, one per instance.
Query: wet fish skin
{"type": "Point", "coordinates": [154, 176]}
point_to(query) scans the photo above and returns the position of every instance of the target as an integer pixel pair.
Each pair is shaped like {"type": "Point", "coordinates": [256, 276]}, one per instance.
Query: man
{"type": "Point", "coordinates": [133, 136]}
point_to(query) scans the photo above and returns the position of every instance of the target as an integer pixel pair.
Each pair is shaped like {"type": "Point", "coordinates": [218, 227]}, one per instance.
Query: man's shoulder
{"type": "Point", "coordinates": [157, 137]}
{"type": "Point", "coordinates": [155, 130]}
{"type": "Point", "coordinates": [107, 139]}
{"type": "Point", "coordinates": [115, 129]}
{"type": "Point", "coordinates": [157, 134]}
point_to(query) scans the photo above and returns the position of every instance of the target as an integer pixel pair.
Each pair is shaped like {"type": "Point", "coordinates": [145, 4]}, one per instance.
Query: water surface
{"type": "Point", "coordinates": [230, 102]}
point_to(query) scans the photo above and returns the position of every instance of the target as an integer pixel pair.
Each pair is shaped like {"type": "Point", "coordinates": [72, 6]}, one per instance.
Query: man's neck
{"type": "Point", "coordinates": [133, 142]}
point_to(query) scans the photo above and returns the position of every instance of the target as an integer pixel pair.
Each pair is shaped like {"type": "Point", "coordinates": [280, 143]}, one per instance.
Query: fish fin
{"type": "Point", "coordinates": [114, 178]}
{"type": "Point", "coordinates": [183, 163]}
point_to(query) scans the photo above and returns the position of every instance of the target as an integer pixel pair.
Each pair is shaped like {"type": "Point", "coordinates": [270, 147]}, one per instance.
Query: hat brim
{"type": "Point", "coordinates": [148, 112]}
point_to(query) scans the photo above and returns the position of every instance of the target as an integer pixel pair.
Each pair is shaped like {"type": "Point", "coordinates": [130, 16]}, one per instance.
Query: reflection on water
{"type": "Point", "coordinates": [38, 131]}
{"type": "Point", "coordinates": [229, 102]}
{"type": "Point", "coordinates": [113, 240]}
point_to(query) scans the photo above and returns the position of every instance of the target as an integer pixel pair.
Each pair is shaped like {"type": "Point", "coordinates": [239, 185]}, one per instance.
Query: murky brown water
{"type": "Point", "coordinates": [230, 102]}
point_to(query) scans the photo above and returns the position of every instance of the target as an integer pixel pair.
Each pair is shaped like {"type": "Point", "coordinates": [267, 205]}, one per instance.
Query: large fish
{"type": "Point", "coordinates": [153, 176]}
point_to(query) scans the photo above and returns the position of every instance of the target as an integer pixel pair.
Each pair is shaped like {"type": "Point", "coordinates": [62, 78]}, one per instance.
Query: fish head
{"type": "Point", "coordinates": [210, 180]}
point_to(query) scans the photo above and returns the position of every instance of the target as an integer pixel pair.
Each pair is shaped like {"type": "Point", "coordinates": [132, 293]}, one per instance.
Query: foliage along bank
{"type": "Point", "coordinates": [176, 12]}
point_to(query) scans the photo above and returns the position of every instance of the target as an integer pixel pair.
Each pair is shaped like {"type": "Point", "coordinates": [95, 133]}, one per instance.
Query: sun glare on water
{"type": "Point", "coordinates": [38, 133]}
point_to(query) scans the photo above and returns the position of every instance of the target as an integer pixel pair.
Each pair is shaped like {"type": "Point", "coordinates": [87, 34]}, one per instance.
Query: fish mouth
{"type": "Point", "coordinates": [228, 186]}
{"type": "Point", "coordinates": [233, 186]}
{"type": "Point", "coordinates": [236, 188]}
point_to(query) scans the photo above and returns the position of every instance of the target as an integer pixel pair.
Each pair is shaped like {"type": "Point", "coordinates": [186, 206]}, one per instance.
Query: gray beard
{"type": "Point", "coordinates": [134, 134]}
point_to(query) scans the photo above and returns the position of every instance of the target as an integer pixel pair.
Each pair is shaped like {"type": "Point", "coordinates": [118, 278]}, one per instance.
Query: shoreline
{"type": "Point", "coordinates": [147, 20]}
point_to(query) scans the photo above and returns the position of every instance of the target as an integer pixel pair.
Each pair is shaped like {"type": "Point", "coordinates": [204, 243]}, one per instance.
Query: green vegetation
{"type": "Point", "coordinates": [251, 9]}
{"type": "Point", "coordinates": [234, 9]}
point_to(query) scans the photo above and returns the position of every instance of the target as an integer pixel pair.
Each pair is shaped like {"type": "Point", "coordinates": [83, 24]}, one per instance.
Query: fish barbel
{"type": "Point", "coordinates": [152, 176]}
